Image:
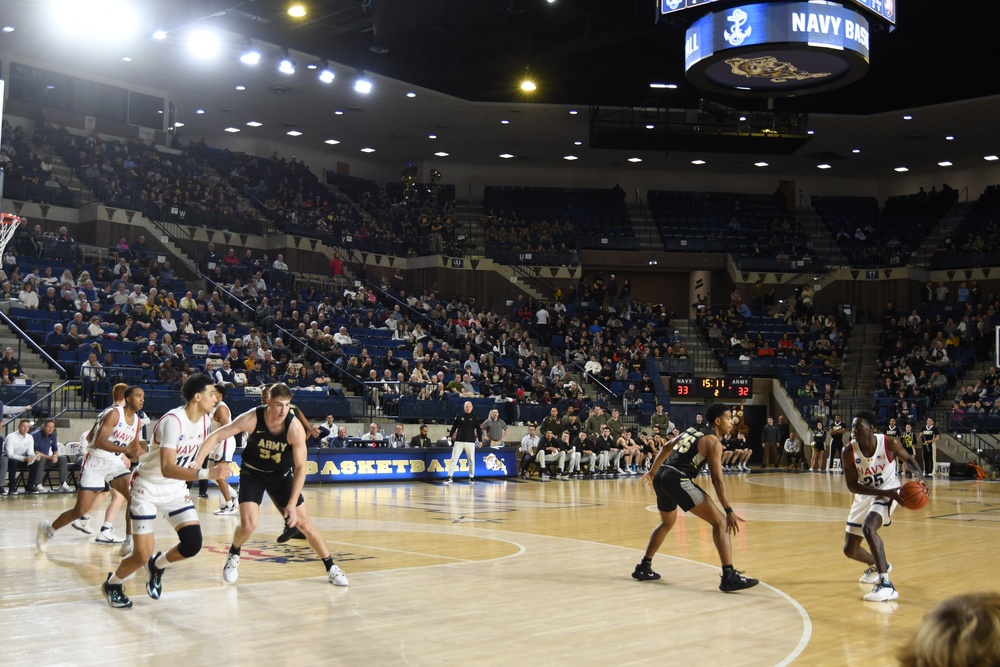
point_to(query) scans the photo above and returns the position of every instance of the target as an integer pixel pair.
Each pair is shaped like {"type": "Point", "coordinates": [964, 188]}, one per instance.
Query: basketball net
{"type": "Point", "coordinates": [8, 221]}
{"type": "Point", "coordinates": [8, 226]}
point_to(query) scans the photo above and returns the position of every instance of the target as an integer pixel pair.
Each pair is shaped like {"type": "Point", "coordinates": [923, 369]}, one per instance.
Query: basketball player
{"type": "Point", "coordinates": [117, 433]}
{"type": "Point", "coordinates": [106, 535]}
{"type": "Point", "coordinates": [870, 473]}
{"type": "Point", "coordinates": [672, 476]}
{"type": "Point", "coordinates": [223, 452]}
{"type": "Point", "coordinates": [466, 434]}
{"type": "Point", "coordinates": [290, 532]}
{"type": "Point", "coordinates": [274, 462]}
{"type": "Point", "coordinates": [159, 486]}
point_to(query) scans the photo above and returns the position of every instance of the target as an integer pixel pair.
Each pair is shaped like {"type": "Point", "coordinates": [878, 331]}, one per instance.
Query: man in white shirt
{"type": "Point", "coordinates": [373, 434]}
{"type": "Point", "coordinates": [342, 338]}
{"type": "Point", "coordinates": [20, 449]}
{"type": "Point", "coordinates": [528, 450]}
{"type": "Point", "coordinates": [280, 263]}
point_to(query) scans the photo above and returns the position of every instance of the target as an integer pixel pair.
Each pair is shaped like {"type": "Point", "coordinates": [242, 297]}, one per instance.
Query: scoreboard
{"type": "Point", "coordinates": [884, 9]}
{"type": "Point", "coordinates": [736, 387]}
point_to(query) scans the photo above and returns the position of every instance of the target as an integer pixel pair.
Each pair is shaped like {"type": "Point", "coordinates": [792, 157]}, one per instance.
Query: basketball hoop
{"type": "Point", "coordinates": [8, 226]}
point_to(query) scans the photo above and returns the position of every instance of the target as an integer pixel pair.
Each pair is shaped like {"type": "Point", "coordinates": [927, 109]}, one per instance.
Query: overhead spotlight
{"type": "Point", "coordinates": [668, 86]}
{"type": "Point", "coordinates": [634, 160]}
{"type": "Point", "coordinates": [528, 82]}
{"type": "Point", "coordinates": [411, 94]}
{"type": "Point", "coordinates": [297, 11]}
{"type": "Point", "coordinates": [203, 43]}
{"type": "Point", "coordinates": [100, 21]}
{"type": "Point", "coordinates": [326, 74]}
{"type": "Point", "coordinates": [250, 56]}
{"type": "Point", "coordinates": [287, 65]}
{"type": "Point", "coordinates": [362, 84]}
{"type": "Point", "coordinates": [199, 111]}
{"type": "Point", "coordinates": [506, 156]}
{"type": "Point", "coordinates": [902, 170]}
{"type": "Point", "coordinates": [160, 35]}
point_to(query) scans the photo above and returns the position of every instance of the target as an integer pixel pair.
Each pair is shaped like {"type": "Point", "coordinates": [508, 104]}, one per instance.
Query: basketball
{"type": "Point", "coordinates": [914, 495]}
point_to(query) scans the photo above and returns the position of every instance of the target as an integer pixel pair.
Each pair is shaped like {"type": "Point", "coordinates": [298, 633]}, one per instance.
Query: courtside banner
{"type": "Point", "coordinates": [383, 465]}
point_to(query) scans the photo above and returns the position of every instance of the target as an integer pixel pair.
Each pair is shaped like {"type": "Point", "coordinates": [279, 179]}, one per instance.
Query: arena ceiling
{"type": "Point", "coordinates": [463, 60]}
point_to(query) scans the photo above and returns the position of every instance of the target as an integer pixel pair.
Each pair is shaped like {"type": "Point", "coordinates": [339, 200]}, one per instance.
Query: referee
{"type": "Point", "coordinates": [465, 436]}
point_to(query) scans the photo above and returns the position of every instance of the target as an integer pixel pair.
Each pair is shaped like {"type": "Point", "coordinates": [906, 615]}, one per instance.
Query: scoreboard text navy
{"type": "Point", "coordinates": [714, 387]}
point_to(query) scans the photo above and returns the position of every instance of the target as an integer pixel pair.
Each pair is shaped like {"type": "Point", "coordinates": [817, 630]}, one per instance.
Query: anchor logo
{"type": "Point", "coordinates": [737, 36]}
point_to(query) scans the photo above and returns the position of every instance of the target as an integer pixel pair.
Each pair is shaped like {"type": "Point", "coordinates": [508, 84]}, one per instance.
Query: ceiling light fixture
{"type": "Point", "coordinates": [698, 162]}
{"type": "Point", "coordinates": [411, 94]}
{"type": "Point", "coordinates": [203, 43]}
{"type": "Point", "coordinates": [326, 75]}
{"type": "Point", "coordinates": [856, 151]}
{"type": "Point", "coordinates": [527, 84]}
{"type": "Point", "coordinates": [505, 122]}
{"type": "Point", "coordinates": [159, 35]}
{"type": "Point", "coordinates": [635, 159]}
{"type": "Point", "coordinates": [10, 28]}
{"type": "Point", "coordinates": [287, 65]}
{"type": "Point", "coordinates": [760, 164]}
{"type": "Point", "coordinates": [823, 166]}
{"type": "Point", "coordinates": [432, 136]}
{"type": "Point", "coordinates": [668, 86]}
{"type": "Point", "coordinates": [294, 133]}
{"type": "Point", "coordinates": [178, 124]}
{"type": "Point", "coordinates": [367, 150]}
{"type": "Point", "coordinates": [241, 87]}
{"type": "Point", "coordinates": [199, 111]}
{"type": "Point", "coordinates": [573, 112]}
{"type": "Point", "coordinates": [441, 154]}
{"type": "Point", "coordinates": [991, 158]}
{"type": "Point", "coordinates": [250, 55]}
{"type": "Point", "coordinates": [232, 129]}
{"type": "Point", "coordinates": [907, 117]}
{"type": "Point", "coordinates": [570, 157]}
{"type": "Point", "coordinates": [945, 163]}
{"type": "Point", "coordinates": [332, 142]}
{"type": "Point", "coordinates": [297, 11]}
{"type": "Point", "coordinates": [254, 123]}
{"type": "Point", "coordinates": [949, 138]}
{"type": "Point", "coordinates": [506, 156]}
{"type": "Point", "coordinates": [577, 143]}
{"type": "Point", "coordinates": [902, 170]}
{"type": "Point", "coordinates": [362, 84]}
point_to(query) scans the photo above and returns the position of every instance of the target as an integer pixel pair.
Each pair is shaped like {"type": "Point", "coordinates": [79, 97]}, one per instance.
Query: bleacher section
{"type": "Point", "coordinates": [755, 228]}
{"type": "Point", "coordinates": [976, 240]}
{"type": "Point", "coordinates": [870, 238]}
{"type": "Point", "coordinates": [599, 217]}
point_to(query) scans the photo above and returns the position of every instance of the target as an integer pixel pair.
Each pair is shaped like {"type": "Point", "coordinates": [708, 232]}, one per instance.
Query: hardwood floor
{"type": "Point", "coordinates": [481, 574]}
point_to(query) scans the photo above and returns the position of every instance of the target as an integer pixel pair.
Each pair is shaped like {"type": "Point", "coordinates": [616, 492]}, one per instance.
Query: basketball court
{"type": "Point", "coordinates": [503, 570]}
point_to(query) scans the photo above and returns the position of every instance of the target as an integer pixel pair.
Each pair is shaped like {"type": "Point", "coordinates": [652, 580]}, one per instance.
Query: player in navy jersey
{"type": "Point", "coordinates": [115, 432]}
{"type": "Point", "coordinates": [159, 487]}
{"type": "Point", "coordinates": [672, 476]}
{"type": "Point", "coordinates": [869, 462]}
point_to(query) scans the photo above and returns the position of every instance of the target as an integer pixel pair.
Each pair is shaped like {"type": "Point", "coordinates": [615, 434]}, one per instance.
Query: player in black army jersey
{"type": "Point", "coordinates": [928, 439]}
{"type": "Point", "coordinates": [672, 476]}
{"type": "Point", "coordinates": [837, 430]}
{"type": "Point", "coordinates": [274, 462]}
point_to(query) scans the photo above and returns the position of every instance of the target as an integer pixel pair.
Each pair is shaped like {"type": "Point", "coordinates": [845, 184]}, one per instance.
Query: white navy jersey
{"type": "Point", "coordinates": [230, 442]}
{"type": "Point", "coordinates": [877, 471]}
{"type": "Point", "coordinates": [173, 431]}
{"type": "Point", "coordinates": [122, 435]}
